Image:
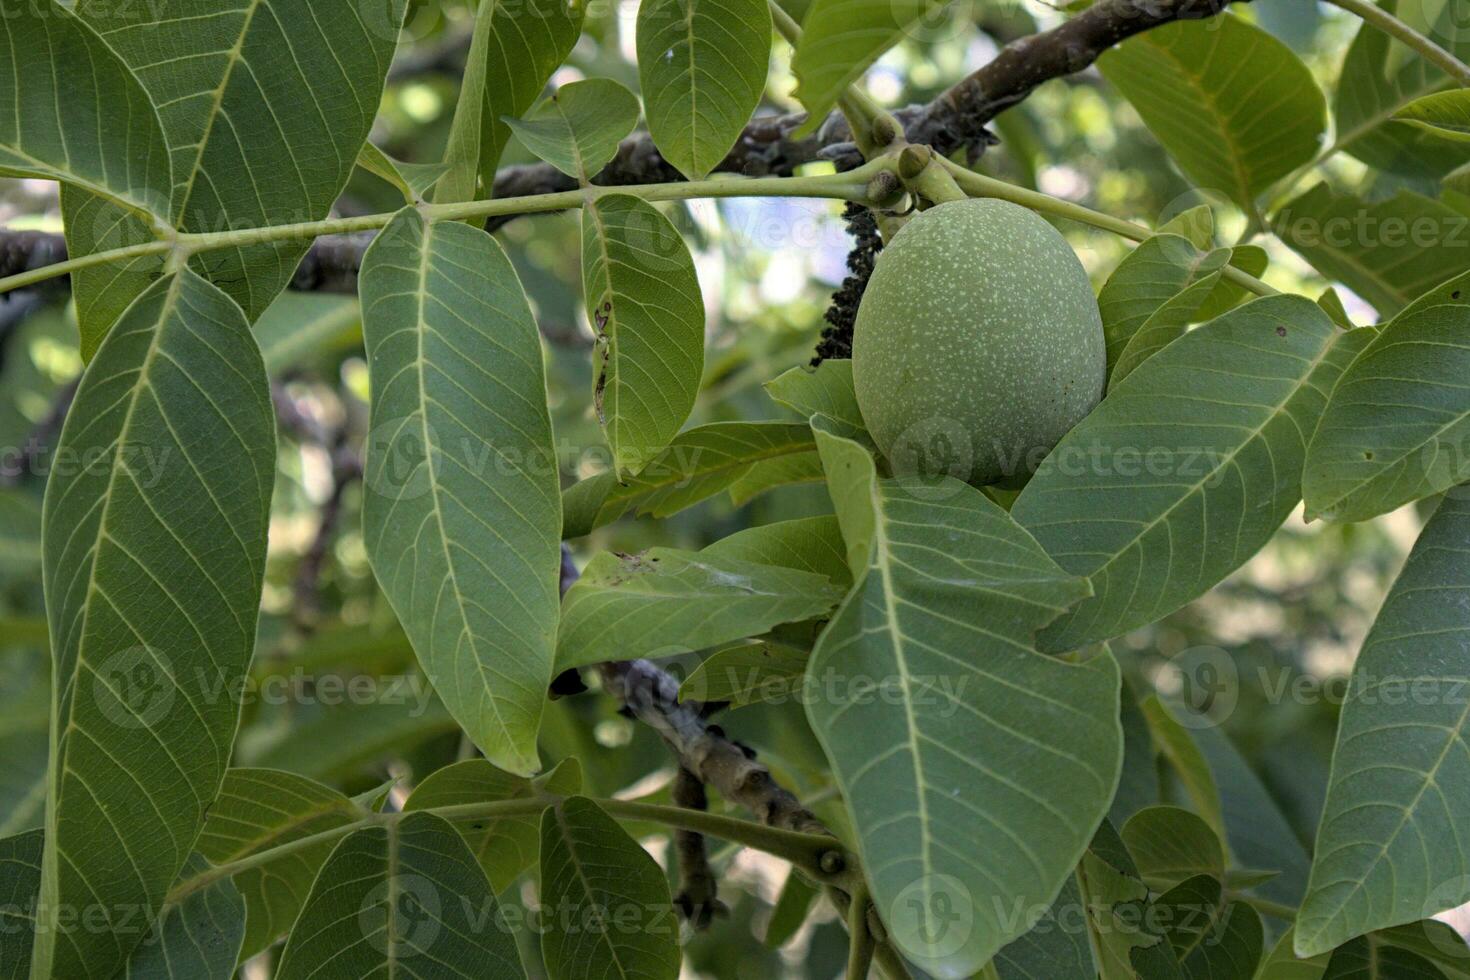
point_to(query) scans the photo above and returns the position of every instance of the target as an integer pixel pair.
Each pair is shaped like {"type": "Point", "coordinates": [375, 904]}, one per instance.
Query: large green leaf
{"type": "Point", "coordinates": [1379, 77]}
{"type": "Point", "coordinates": [1388, 252]}
{"type": "Point", "coordinates": [666, 601]}
{"type": "Point", "coordinates": [504, 845]}
{"type": "Point", "coordinates": [153, 569]}
{"type": "Point", "coordinates": [196, 939]}
{"type": "Point", "coordinates": [840, 40]}
{"type": "Point", "coordinates": [513, 51]}
{"type": "Point", "coordinates": [462, 514]}
{"type": "Point", "coordinates": [643, 300]}
{"type": "Point", "coordinates": [1233, 106]}
{"type": "Point", "coordinates": [1390, 848]}
{"type": "Point", "coordinates": [1397, 426]}
{"type": "Point", "coordinates": [578, 128]}
{"type": "Point", "coordinates": [1186, 469]}
{"type": "Point", "coordinates": [975, 769]}
{"type": "Point", "coordinates": [1361, 959]}
{"type": "Point", "coordinates": [20, 880]}
{"type": "Point", "coordinates": [617, 919]}
{"type": "Point", "coordinates": [404, 898]}
{"type": "Point", "coordinates": [75, 112]}
{"type": "Point", "coordinates": [702, 69]}
{"type": "Point", "coordinates": [697, 465]}
{"type": "Point", "coordinates": [258, 809]}
{"type": "Point", "coordinates": [264, 105]}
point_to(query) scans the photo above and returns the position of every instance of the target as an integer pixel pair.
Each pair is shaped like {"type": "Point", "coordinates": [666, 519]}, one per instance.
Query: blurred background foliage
{"type": "Point", "coordinates": [335, 693]}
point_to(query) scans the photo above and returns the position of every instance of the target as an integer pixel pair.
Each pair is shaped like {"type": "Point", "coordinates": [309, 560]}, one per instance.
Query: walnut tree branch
{"type": "Point", "coordinates": [768, 147]}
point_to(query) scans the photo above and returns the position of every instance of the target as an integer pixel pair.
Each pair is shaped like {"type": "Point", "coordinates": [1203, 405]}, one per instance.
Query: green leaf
{"type": "Point", "coordinates": [1250, 259]}
{"type": "Point", "coordinates": [1212, 937]}
{"type": "Point", "coordinates": [196, 939]}
{"type": "Point", "coordinates": [614, 895]}
{"type": "Point", "coordinates": [824, 390]}
{"type": "Point", "coordinates": [702, 69]}
{"type": "Point", "coordinates": [578, 128]}
{"type": "Point", "coordinates": [91, 125]}
{"type": "Point", "coordinates": [1197, 225]}
{"type": "Point", "coordinates": [1389, 849]}
{"type": "Point", "coordinates": [1388, 252]}
{"type": "Point", "coordinates": [265, 107]}
{"type": "Point", "coordinates": [1124, 928]}
{"type": "Point", "coordinates": [1444, 112]}
{"type": "Point", "coordinates": [1331, 303]}
{"type": "Point", "coordinates": [840, 40]}
{"type": "Point", "coordinates": [1170, 845]}
{"type": "Point", "coordinates": [1361, 959]}
{"type": "Point", "coordinates": [1209, 433]}
{"type": "Point", "coordinates": [808, 544]}
{"type": "Point", "coordinates": [507, 845]}
{"type": "Point", "coordinates": [1152, 296]}
{"type": "Point", "coordinates": [354, 738]}
{"type": "Point", "coordinates": [1379, 77]}
{"type": "Point", "coordinates": [404, 898]}
{"type": "Point", "coordinates": [1395, 428]}
{"type": "Point", "coordinates": [461, 477]}
{"type": "Point", "coordinates": [643, 300]}
{"type": "Point", "coordinates": [1179, 749]}
{"type": "Point", "coordinates": [153, 569]}
{"type": "Point", "coordinates": [258, 809]}
{"type": "Point", "coordinates": [20, 880]}
{"type": "Point", "coordinates": [1282, 962]}
{"type": "Point", "coordinates": [666, 601]}
{"type": "Point", "coordinates": [1230, 133]}
{"type": "Point", "coordinates": [1056, 948]}
{"type": "Point", "coordinates": [974, 768]}
{"type": "Point", "coordinates": [772, 473]}
{"type": "Point", "coordinates": [748, 673]}
{"type": "Point", "coordinates": [414, 180]}
{"type": "Point", "coordinates": [1452, 292]}
{"type": "Point", "coordinates": [697, 464]}
{"type": "Point", "coordinates": [505, 71]}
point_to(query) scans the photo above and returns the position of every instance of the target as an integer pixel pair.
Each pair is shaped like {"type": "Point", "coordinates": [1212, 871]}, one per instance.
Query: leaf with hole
{"type": "Point", "coordinates": [644, 303]}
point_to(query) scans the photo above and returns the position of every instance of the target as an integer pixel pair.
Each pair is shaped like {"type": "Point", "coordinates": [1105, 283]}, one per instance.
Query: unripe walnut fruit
{"type": "Point", "coordinates": [978, 343]}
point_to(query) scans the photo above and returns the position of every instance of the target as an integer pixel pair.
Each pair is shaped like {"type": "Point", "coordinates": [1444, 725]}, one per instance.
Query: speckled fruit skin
{"type": "Point", "coordinates": [978, 343]}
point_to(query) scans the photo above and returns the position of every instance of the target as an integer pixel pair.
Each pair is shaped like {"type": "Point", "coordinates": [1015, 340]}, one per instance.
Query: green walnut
{"type": "Point", "coordinates": [978, 344]}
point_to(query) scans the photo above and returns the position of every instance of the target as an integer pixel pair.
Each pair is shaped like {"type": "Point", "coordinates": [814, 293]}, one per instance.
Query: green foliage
{"type": "Point", "coordinates": [1237, 139]}
{"type": "Point", "coordinates": [1079, 727]}
{"type": "Point", "coordinates": [461, 468]}
{"type": "Point", "coordinates": [702, 69]}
